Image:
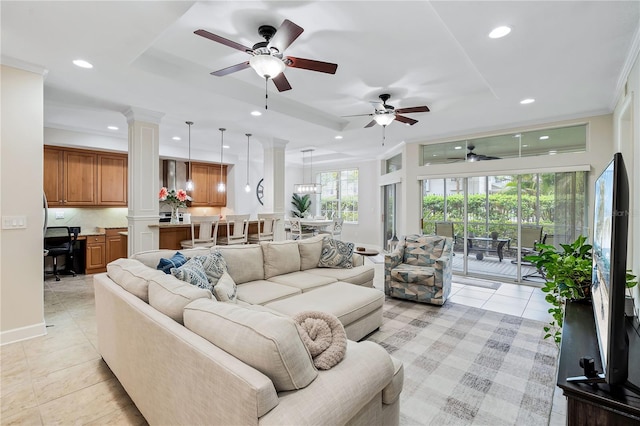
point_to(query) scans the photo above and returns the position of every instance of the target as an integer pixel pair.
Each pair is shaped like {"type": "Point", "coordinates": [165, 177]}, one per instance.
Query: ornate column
{"type": "Point", "coordinates": [144, 165]}
{"type": "Point", "coordinates": [274, 182]}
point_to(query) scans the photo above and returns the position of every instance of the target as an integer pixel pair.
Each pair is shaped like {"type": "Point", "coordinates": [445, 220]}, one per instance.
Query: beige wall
{"type": "Point", "coordinates": [21, 266]}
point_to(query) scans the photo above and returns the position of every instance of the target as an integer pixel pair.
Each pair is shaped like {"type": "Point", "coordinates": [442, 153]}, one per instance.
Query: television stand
{"type": "Point", "coordinates": [589, 403]}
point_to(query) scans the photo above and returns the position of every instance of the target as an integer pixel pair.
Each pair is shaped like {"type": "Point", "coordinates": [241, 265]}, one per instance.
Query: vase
{"type": "Point", "coordinates": [174, 216]}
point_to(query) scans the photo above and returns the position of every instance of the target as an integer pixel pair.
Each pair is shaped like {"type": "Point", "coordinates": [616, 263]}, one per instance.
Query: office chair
{"type": "Point", "coordinates": [58, 241]}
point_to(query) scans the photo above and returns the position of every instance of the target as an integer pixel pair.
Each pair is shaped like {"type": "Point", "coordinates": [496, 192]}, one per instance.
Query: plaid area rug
{"type": "Point", "coordinates": [464, 365]}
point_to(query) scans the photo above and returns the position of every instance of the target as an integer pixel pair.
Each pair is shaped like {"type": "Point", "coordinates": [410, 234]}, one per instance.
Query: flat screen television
{"type": "Point", "coordinates": [610, 225]}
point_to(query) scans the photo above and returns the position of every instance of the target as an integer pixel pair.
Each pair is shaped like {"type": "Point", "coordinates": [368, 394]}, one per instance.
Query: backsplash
{"type": "Point", "coordinates": [89, 219]}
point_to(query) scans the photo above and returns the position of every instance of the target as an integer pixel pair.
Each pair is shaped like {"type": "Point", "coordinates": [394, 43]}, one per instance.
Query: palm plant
{"type": "Point", "coordinates": [302, 204]}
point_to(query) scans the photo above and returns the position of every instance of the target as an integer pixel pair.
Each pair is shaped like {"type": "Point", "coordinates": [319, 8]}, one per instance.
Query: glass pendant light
{"type": "Point", "coordinates": [247, 187]}
{"type": "Point", "coordinates": [221, 185]}
{"type": "Point", "coordinates": [189, 185]}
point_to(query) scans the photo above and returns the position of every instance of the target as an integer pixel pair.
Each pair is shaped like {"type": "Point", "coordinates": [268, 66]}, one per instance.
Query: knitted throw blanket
{"type": "Point", "coordinates": [324, 336]}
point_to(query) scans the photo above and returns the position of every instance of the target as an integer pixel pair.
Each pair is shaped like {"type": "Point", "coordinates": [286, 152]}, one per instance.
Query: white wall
{"type": "Point", "coordinates": [21, 262]}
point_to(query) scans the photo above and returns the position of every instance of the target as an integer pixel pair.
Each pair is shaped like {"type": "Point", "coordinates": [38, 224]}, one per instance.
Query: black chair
{"type": "Point", "coordinates": [59, 241]}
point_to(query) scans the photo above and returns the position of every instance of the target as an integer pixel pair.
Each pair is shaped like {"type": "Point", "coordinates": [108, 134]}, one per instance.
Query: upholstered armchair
{"type": "Point", "coordinates": [420, 269]}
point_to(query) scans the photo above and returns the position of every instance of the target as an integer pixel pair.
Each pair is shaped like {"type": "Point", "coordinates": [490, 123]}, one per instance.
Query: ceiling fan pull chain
{"type": "Point", "coordinates": [266, 92]}
{"type": "Point", "coordinates": [383, 134]}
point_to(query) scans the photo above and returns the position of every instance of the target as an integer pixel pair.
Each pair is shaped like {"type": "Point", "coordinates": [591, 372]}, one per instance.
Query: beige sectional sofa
{"type": "Point", "coordinates": [185, 358]}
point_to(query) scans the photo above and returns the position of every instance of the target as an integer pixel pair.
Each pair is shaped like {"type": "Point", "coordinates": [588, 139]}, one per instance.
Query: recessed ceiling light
{"type": "Point", "coordinates": [553, 152]}
{"type": "Point", "coordinates": [499, 32]}
{"type": "Point", "coordinates": [338, 137]}
{"type": "Point", "coordinates": [112, 128]}
{"type": "Point", "coordinates": [517, 135]}
{"type": "Point", "coordinates": [435, 155]}
{"type": "Point", "coordinates": [544, 138]}
{"type": "Point", "coordinates": [527, 101]}
{"type": "Point", "coordinates": [256, 113]}
{"type": "Point", "coordinates": [82, 63]}
{"type": "Point", "coordinates": [524, 146]}
{"type": "Point", "coordinates": [176, 138]}
{"type": "Point", "coordinates": [458, 147]}
{"type": "Point", "coordinates": [226, 146]}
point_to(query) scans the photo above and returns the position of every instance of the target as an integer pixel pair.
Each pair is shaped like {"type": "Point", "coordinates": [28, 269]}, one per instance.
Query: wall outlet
{"type": "Point", "coordinates": [59, 215]}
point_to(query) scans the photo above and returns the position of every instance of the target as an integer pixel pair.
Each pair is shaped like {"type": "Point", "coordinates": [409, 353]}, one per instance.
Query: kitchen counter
{"type": "Point", "coordinates": [171, 235]}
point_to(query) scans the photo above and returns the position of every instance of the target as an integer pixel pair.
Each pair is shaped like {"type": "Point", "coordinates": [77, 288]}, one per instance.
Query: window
{"type": "Point", "coordinates": [393, 164]}
{"type": "Point", "coordinates": [339, 194]}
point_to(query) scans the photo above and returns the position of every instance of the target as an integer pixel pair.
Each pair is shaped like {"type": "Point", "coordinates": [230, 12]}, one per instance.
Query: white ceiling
{"type": "Point", "coordinates": [570, 56]}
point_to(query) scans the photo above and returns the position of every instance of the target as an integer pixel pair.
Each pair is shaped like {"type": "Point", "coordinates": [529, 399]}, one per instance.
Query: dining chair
{"type": "Point", "coordinates": [237, 226]}
{"type": "Point", "coordinates": [295, 230]}
{"type": "Point", "coordinates": [266, 228]}
{"type": "Point", "coordinates": [207, 234]}
{"type": "Point", "coordinates": [335, 229]}
{"type": "Point", "coordinates": [59, 241]}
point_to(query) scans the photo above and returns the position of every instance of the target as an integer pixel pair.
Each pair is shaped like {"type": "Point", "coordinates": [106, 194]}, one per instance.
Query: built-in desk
{"type": "Point", "coordinates": [586, 404]}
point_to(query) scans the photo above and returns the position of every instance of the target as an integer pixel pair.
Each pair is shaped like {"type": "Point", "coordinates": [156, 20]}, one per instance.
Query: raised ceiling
{"type": "Point", "coordinates": [569, 56]}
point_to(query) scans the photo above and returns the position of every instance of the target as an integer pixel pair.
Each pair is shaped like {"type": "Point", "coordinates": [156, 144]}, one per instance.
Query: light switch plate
{"type": "Point", "coordinates": [14, 222]}
{"type": "Point", "coordinates": [59, 215]}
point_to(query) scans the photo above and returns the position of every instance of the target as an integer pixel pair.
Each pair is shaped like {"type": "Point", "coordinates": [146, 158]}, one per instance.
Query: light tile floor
{"type": "Point", "coordinates": [61, 379]}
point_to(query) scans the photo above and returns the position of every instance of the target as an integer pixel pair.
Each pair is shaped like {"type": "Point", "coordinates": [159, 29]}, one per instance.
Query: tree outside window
{"type": "Point", "coordinates": [339, 196]}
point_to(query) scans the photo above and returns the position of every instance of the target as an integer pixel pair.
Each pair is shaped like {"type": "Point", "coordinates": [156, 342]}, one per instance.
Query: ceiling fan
{"type": "Point", "coordinates": [267, 57]}
{"type": "Point", "coordinates": [384, 114]}
{"type": "Point", "coordinates": [472, 156]}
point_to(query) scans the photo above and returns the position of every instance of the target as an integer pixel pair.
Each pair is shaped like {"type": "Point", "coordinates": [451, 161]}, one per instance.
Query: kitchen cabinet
{"type": "Point", "coordinates": [170, 237]}
{"type": "Point", "coordinates": [82, 178]}
{"type": "Point", "coordinates": [95, 259]}
{"type": "Point", "coordinates": [115, 244]}
{"type": "Point", "coordinates": [206, 178]}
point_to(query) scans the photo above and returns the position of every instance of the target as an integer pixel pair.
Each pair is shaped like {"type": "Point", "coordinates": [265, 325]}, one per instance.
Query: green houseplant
{"type": "Point", "coordinates": [301, 205]}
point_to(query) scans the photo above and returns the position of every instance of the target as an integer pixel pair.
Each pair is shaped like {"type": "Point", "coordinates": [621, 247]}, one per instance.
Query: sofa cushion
{"type": "Point", "coordinates": [225, 289]}
{"type": "Point", "coordinates": [169, 295]}
{"type": "Point", "coordinates": [244, 262]}
{"type": "Point", "coordinates": [267, 342]}
{"type": "Point", "coordinates": [346, 301]}
{"type": "Point", "coordinates": [335, 254]}
{"type": "Point", "coordinates": [175, 261]}
{"type": "Point", "coordinates": [310, 250]}
{"type": "Point", "coordinates": [359, 275]}
{"type": "Point", "coordinates": [193, 272]}
{"type": "Point", "coordinates": [151, 258]}
{"type": "Point", "coordinates": [261, 291]}
{"type": "Point", "coordinates": [303, 280]}
{"type": "Point", "coordinates": [423, 275]}
{"type": "Point", "coordinates": [280, 257]}
{"type": "Point", "coordinates": [133, 276]}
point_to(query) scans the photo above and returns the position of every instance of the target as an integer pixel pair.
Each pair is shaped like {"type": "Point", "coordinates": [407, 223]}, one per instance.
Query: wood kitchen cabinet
{"type": "Point", "coordinates": [115, 244]}
{"type": "Point", "coordinates": [82, 178]}
{"type": "Point", "coordinates": [95, 254]}
{"type": "Point", "coordinates": [206, 178]}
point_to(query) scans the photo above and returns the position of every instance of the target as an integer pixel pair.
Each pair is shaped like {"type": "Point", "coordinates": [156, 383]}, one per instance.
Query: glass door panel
{"type": "Point", "coordinates": [389, 209]}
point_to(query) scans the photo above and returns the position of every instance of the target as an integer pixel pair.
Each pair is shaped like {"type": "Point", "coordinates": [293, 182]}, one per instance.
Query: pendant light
{"type": "Point", "coordinates": [189, 185]}
{"type": "Point", "coordinates": [221, 185]}
{"type": "Point", "coordinates": [311, 187]}
{"type": "Point", "coordinates": [247, 187]}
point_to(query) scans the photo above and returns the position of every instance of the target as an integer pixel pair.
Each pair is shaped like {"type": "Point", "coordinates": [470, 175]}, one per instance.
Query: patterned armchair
{"type": "Point", "coordinates": [420, 269]}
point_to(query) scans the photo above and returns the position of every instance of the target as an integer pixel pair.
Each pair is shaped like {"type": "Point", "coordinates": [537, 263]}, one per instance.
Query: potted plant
{"type": "Point", "coordinates": [301, 205]}
{"type": "Point", "coordinates": [568, 275]}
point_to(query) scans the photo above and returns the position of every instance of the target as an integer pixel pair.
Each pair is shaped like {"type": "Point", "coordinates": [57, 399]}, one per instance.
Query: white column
{"type": "Point", "coordinates": [274, 182]}
{"type": "Point", "coordinates": [144, 142]}
{"type": "Point", "coordinates": [409, 210]}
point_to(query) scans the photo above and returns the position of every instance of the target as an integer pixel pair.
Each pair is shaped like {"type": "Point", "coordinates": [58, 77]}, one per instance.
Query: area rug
{"type": "Point", "coordinates": [464, 365]}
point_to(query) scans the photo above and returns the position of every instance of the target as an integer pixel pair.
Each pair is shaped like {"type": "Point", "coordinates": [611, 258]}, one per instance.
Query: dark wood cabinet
{"type": "Point", "coordinates": [206, 178]}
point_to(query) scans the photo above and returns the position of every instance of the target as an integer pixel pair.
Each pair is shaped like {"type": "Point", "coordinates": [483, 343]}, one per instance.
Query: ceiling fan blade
{"type": "Point", "coordinates": [371, 124]}
{"type": "Point", "coordinates": [226, 42]}
{"type": "Point", "coordinates": [281, 82]}
{"type": "Point", "coordinates": [357, 115]}
{"type": "Point", "coordinates": [413, 109]}
{"type": "Point", "coordinates": [285, 35]}
{"type": "Point", "coordinates": [231, 69]}
{"type": "Point", "coordinates": [406, 120]}
{"type": "Point", "coordinates": [310, 64]}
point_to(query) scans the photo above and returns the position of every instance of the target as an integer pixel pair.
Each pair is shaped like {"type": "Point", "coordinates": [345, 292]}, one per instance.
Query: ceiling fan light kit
{"type": "Point", "coordinates": [267, 66]}
{"type": "Point", "coordinates": [384, 119]}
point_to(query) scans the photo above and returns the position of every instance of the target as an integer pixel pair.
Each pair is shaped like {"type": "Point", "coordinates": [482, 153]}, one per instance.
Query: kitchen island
{"type": "Point", "coordinates": [171, 235]}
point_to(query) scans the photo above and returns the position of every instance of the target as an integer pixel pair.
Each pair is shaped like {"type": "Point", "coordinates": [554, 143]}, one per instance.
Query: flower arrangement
{"type": "Point", "coordinates": [175, 199]}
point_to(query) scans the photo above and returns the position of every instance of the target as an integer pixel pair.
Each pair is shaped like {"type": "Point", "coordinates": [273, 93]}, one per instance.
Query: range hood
{"type": "Point", "coordinates": [169, 174]}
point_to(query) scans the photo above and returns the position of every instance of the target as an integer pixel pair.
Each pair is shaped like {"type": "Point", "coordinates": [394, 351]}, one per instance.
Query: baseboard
{"type": "Point", "coordinates": [23, 333]}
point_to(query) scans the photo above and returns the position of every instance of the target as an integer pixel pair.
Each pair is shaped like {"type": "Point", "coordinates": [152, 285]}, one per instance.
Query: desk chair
{"type": "Point", "coordinates": [237, 227]}
{"type": "Point", "coordinates": [59, 241]}
{"type": "Point", "coordinates": [335, 229]}
{"type": "Point", "coordinates": [266, 227]}
{"type": "Point", "coordinates": [296, 231]}
{"type": "Point", "coordinates": [207, 234]}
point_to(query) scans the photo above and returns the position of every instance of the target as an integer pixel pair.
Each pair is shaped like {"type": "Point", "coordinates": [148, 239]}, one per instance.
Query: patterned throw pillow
{"type": "Point", "coordinates": [226, 290]}
{"type": "Point", "coordinates": [193, 272]}
{"type": "Point", "coordinates": [176, 261]}
{"type": "Point", "coordinates": [336, 254]}
{"type": "Point", "coordinates": [214, 265]}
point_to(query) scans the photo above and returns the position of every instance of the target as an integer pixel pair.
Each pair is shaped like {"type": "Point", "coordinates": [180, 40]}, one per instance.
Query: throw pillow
{"type": "Point", "coordinates": [336, 254]}
{"type": "Point", "coordinates": [226, 290]}
{"type": "Point", "coordinates": [214, 265]}
{"type": "Point", "coordinates": [193, 272]}
{"type": "Point", "coordinates": [176, 261]}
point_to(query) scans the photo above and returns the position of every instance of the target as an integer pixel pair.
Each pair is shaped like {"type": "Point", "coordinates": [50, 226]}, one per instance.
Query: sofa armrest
{"type": "Point", "coordinates": [391, 260]}
{"type": "Point", "coordinates": [338, 394]}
